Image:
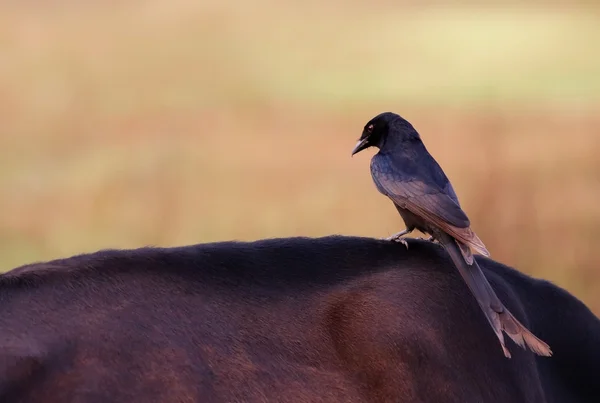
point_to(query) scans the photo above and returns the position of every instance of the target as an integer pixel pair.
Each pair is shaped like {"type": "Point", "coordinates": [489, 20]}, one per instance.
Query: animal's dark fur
{"type": "Point", "coordinates": [284, 320]}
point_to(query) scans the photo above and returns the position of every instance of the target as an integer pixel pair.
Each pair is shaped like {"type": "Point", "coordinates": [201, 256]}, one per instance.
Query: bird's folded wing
{"type": "Point", "coordinates": [430, 203]}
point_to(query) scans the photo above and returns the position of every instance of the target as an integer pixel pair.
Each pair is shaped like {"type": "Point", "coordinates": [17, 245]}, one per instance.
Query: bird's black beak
{"type": "Point", "coordinates": [361, 145]}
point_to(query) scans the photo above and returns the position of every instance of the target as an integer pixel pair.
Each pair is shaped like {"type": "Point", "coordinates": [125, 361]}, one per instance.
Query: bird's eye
{"type": "Point", "coordinates": [370, 128]}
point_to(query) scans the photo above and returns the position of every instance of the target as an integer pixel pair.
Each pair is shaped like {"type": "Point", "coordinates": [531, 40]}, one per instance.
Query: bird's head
{"type": "Point", "coordinates": [385, 128]}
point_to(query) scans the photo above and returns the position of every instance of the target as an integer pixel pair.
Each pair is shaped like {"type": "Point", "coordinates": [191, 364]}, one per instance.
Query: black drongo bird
{"type": "Point", "coordinates": [404, 171]}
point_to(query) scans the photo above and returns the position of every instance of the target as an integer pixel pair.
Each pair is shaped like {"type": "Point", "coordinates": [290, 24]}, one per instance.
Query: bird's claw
{"type": "Point", "coordinates": [398, 239]}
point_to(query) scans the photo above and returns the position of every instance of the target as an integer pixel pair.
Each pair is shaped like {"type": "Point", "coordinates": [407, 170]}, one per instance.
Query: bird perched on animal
{"type": "Point", "coordinates": [404, 171]}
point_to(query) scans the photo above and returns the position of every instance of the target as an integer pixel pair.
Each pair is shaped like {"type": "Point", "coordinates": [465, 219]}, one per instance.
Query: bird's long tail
{"type": "Point", "coordinates": [495, 312]}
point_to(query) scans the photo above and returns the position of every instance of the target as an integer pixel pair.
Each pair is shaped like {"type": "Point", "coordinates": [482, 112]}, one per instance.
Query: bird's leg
{"type": "Point", "coordinates": [397, 237]}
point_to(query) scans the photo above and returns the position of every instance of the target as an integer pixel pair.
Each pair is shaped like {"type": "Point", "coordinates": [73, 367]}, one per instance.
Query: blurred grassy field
{"type": "Point", "coordinates": [170, 123]}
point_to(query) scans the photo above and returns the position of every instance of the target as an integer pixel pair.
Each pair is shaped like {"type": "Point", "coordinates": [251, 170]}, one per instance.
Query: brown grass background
{"type": "Point", "coordinates": [130, 123]}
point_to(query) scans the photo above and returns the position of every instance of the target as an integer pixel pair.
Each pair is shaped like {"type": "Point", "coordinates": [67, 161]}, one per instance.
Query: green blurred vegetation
{"type": "Point", "coordinates": [170, 123]}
